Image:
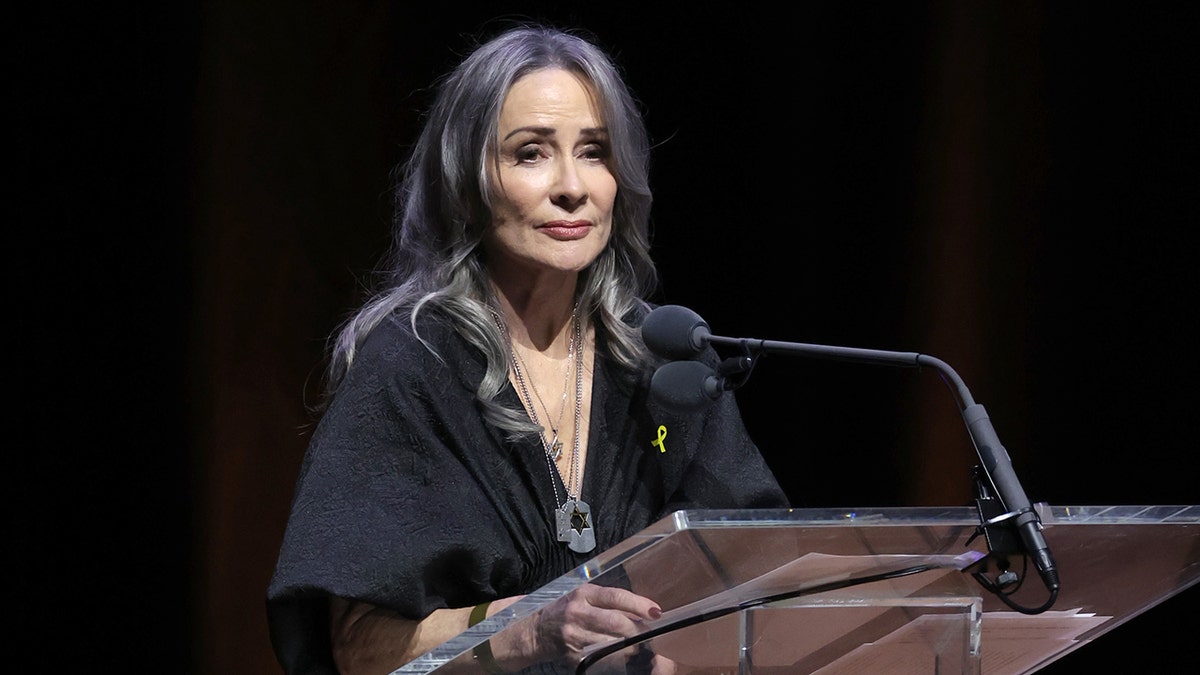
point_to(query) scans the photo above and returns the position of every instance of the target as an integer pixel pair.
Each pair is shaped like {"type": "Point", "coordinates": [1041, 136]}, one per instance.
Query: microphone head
{"type": "Point", "coordinates": [685, 386]}
{"type": "Point", "coordinates": [675, 332]}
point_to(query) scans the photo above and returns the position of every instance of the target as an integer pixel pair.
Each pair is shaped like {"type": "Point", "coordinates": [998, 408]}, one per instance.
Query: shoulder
{"type": "Point", "coordinates": [428, 348]}
{"type": "Point", "coordinates": [397, 334]}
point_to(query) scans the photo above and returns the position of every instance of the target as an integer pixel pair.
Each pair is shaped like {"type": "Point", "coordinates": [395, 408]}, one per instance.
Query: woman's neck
{"type": "Point", "coordinates": [538, 315]}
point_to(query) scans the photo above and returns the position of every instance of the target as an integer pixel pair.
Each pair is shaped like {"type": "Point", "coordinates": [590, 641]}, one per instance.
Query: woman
{"type": "Point", "coordinates": [488, 427]}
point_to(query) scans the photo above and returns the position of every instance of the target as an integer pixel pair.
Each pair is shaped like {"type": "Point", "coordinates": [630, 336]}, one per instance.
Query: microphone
{"type": "Point", "coordinates": [677, 333]}
{"type": "Point", "coordinates": [686, 386]}
{"type": "Point", "coordinates": [674, 332]}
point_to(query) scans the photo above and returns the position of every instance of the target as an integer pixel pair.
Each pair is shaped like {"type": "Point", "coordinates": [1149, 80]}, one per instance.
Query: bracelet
{"type": "Point", "coordinates": [478, 613]}
{"type": "Point", "coordinates": [483, 655]}
{"type": "Point", "coordinates": [483, 651]}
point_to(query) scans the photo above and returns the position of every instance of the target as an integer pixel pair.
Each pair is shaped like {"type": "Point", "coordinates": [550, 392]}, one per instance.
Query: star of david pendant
{"type": "Point", "coordinates": [574, 523]}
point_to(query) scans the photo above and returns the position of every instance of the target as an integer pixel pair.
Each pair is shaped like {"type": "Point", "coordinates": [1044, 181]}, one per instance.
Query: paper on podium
{"type": "Point", "coordinates": [1013, 643]}
{"type": "Point", "coordinates": [814, 570]}
{"type": "Point", "coordinates": [783, 637]}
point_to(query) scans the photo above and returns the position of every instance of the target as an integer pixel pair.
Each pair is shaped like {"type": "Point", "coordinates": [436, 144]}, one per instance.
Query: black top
{"type": "Point", "coordinates": [408, 499]}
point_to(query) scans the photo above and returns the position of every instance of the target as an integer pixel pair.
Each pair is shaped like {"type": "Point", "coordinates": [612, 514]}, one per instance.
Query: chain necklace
{"type": "Point", "coordinates": [573, 518]}
{"type": "Point", "coordinates": [554, 448]}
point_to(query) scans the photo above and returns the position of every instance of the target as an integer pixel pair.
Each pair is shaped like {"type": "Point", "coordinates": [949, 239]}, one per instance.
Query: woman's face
{"type": "Point", "coordinates": [552, 188]}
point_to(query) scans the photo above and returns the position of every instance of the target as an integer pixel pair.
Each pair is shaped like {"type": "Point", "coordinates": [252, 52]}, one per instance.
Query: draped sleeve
{"type": "Point", "coordinates": [406, 498]}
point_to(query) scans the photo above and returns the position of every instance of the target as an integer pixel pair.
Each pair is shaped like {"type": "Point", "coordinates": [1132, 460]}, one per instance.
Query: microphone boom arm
{"type": "Point", "coordinates": [996, 463]}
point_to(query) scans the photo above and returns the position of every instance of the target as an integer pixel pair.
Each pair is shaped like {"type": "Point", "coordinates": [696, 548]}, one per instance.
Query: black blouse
{"type": "Point", "coordinates": [408, 499]}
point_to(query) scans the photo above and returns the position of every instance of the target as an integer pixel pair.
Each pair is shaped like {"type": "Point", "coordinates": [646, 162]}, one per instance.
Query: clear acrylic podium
{"type": "Point", "coordinates": [882, 590]}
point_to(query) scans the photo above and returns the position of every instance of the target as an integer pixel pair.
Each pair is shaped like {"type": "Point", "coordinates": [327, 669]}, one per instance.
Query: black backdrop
{"type": "Point", "coordinates": [1010, 187]}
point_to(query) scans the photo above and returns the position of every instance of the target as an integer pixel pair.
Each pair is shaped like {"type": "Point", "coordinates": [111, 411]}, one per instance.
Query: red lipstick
{"type": "Point", "coordinates": [567, 230]}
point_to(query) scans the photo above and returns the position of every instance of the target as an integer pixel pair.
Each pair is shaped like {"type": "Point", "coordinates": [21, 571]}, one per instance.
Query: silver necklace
{"type": "Point", "coordinates": [555, 445]}
{"type": "Point", "coordinates": [573, 518]}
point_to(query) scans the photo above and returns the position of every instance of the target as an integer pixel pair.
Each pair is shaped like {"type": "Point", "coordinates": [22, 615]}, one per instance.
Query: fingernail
{"type": "Point", "coordinates": [655, 612]}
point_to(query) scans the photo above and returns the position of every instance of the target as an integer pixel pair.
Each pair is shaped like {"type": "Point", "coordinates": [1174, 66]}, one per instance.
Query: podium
{"type": "Point", "coordinates": [877, 590]}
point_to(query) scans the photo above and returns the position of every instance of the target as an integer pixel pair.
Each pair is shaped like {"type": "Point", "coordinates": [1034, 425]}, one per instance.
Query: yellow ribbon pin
{"type": "Point", "coordinates": [662, 435]}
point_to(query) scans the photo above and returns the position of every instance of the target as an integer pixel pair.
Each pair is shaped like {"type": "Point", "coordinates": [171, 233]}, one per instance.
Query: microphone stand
{"type": "Point", "coordinates": [1004, 509]}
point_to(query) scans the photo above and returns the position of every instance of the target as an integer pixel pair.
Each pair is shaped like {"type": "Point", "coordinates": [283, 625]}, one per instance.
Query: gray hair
{"type": "Point", "coordinates": [442, 210]}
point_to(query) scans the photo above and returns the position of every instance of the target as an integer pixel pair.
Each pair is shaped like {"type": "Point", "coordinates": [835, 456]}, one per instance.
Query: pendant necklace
{"type": "Point", "coordinates": [573, 518]}
{"type": "Point", "coordinates": [555, 445]}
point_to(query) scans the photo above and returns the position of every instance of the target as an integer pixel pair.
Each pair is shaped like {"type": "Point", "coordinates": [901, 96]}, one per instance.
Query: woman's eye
{"type": "Point", "coordinates": [595, 151]}
{"type": "Point", "coordinates": [528, 153]}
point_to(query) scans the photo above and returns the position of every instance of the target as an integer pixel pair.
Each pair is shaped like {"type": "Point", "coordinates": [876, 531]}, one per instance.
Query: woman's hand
{"type": "Point", "coordinates": [586, 616]}
{"type": "Point", "coordinates": [370, 639]}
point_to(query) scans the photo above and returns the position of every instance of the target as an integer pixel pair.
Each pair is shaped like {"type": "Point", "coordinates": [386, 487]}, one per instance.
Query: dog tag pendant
{"type": "Point", "coordinates": [574, 520]}
{"type": "Point", "coordinates": [562, 522]}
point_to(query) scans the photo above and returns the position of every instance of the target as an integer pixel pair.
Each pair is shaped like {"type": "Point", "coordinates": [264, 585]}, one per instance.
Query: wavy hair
{"type": "Point", "coordinates": [442, 211]}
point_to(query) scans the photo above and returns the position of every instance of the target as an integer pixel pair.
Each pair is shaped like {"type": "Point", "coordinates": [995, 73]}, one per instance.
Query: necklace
{"type": "Point", "coordinates": [573, 518]}
{"type": "Point", "coordinates": [555, 445]}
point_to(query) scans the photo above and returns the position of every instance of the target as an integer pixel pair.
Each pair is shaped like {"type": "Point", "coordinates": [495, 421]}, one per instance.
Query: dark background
{"type": "Point", "coordinates": [200, 189]}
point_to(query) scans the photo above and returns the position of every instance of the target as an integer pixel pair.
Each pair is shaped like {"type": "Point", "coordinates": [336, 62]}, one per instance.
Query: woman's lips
{"type": "Point", "coordinates": [567, 230]}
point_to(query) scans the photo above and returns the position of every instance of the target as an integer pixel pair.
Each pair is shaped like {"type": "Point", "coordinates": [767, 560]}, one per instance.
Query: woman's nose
{"type": "Point", "coordinates": [570, 187]}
